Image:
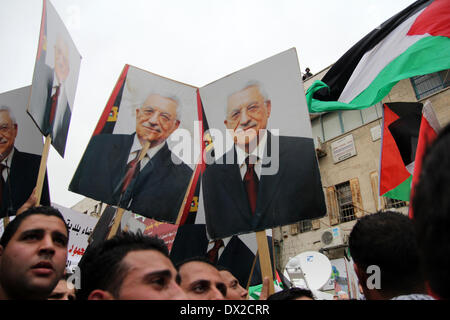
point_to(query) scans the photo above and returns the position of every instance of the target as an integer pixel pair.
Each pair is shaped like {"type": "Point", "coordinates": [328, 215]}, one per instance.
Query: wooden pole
{"type": "Point", "coordinates": [42, 169]}
{"type": "Point", "coordinates": [264, 259]}
{"type": "Point", "coordinates": [186, 195]}
{"type": "Point", "coordinates": [120, 211]}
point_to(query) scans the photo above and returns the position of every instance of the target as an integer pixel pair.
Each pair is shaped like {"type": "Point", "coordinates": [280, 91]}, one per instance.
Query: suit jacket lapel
{"type": "Point", "coordinates": [268, 182]}
{"type": "Point", "coordinates": [231, 176]}
{"type": "Point", "coordinates": [119, 151]}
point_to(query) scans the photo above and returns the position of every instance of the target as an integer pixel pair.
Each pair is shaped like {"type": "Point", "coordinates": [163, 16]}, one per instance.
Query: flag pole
{"type": "Point", "coordinates": [264, 259]}
{"type": "Point", "coordinates": [42, 169]}
{"type": "Point", "coordinates": [120, 211]}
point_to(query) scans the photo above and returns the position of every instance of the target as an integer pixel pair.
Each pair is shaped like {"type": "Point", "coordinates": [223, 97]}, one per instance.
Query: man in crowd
{"type": "Point", "coordinates": [63, 290]}
{"type": "Point", "coordinates": [19, 170]}
{"type": "Point", "coordinates": [33, 253]}
{"type": "Point", "coordinates": [386, 258]}
{"type": "Point", "coordinates": [201, 280]}
{"type": "Point", "coordinates": [129, 267]}
{"type": "Point", "coordinates": [264, 180]}
{"type": "Point", "coordinates": [234, 289]}
{"type": "Point", "coordinates": [155, 186]}
{"type": "Point", "coordinates": [431, 208]}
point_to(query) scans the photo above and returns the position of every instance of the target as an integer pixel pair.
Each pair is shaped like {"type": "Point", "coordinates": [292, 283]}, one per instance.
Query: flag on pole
{"type": "Point", "coordinates": [413, 42]}
{"type": "Point", "coordinates": [429, 129]}
{"type": "Point", "coordinates": [401, 124]}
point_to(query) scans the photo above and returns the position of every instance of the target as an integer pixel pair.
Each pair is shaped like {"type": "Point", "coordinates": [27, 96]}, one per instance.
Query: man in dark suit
{"type": "Point", "coordinates": [158, 186]}
{"type": "Point", "coordinates": [264, 180]}
{"type": "Point", "coordinates": [19, 170]}
{"type": "Point", "coordinates": [49, 89]}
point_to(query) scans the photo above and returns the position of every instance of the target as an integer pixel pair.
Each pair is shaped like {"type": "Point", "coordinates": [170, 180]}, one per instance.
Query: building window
{"type": "Point", "coordinates": [332, 124]}
{"type": "Point", "coordinates": [428, 84]}
{"type": "Point", "coordinates": [345, 202]}
{"type": "Point", "coordinates": [305, 226]}
{"type": "Point", "coordinates": [394, 203]}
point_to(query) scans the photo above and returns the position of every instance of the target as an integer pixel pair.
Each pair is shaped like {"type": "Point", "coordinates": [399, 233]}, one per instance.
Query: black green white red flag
{"type": "Point", "coordinates": [416, 41]}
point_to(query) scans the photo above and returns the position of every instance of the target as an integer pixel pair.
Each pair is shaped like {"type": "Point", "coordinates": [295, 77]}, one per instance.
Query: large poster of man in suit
{"type": "Point", "coordinates": [264, 171]}
{"type": "Point", "coordinates": [144, 108]}
{"type": "Point", "coordinates": [55, 79]}
{"type": "Point", "coordinates": [20, 153]}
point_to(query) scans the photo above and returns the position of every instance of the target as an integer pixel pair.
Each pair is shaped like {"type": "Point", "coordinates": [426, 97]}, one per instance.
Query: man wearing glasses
{"type": "Point", "coordinates": [265, 180]}
{"type": "Point", "coordinates": [155, 186]}
{"type": "Point", "coordinates": [19, 170]}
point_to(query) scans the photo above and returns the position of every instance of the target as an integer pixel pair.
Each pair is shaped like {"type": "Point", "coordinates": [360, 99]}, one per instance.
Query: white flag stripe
{"type": "Point", "coordinates": [375, 60]}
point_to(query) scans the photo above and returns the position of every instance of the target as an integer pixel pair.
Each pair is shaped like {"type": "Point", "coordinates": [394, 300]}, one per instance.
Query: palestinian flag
{"type": "Point", "coordinates": [411, 43]}
{"type": "Point", "coordinates": [429, 129]}
{"type": "Point", "coordinates": [408, 129]}
{"type": "Point", "coordinates": [401, 125]}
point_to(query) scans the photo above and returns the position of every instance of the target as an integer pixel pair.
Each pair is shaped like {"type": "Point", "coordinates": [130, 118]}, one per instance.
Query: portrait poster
{"type": "Point", "coordinates": [259, 115]}
{"type": "Point", "coordinates": [144, 108]}
{"type": "Point", "coordinates": [80, 229]}
{"type": "Point", "coordinates": [132, 222]}
{"type": "Point", "coordinates": [55, 78]}
{"type": "Point", "coordinates": [20, 152]}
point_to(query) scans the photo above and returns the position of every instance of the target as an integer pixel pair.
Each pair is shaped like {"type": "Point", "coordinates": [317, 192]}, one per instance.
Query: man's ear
{"type": "Point", "coordinates": [99, 294]}
{"type": "Point", "coordinates": [361, 274]}
{"type": "Point", "coordinates": [269, 107]}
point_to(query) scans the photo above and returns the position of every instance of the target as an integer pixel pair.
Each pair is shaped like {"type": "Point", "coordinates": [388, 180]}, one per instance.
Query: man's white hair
{"type": "Point", "coordinates": [11, 114]}
{"type": "Point", "coordinates": [166, 95]}
{"type": "Point", "coordinates": [248, 84]}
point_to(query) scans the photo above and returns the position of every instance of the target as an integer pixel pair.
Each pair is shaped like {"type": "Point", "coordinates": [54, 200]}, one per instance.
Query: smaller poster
{"type": "Point", "coordinates": [55, 79]}
{"type": "Point", "coordinates": [20, 153]}
{"type": "Point", "coordinates": [80, 229]}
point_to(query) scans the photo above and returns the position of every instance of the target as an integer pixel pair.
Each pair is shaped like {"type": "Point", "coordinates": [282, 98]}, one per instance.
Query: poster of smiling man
{"type": "Point", "coordinates": [144, 110]}
{"type": "Point", "coordinates": [55, 79]}
{"type": "Point", "coordinates": [20, 153]}
{"type": "Point", "coordinates": [264, 171]}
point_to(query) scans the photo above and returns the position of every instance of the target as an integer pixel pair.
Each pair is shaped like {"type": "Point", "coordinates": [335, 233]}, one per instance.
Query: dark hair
{"type": "Point", "coordinates": [388, 240]}
{"type": "Point", "coordinates": [431, 213]}
{"type": "Point", "coordinates": [196, 259]}
{"type": "Point", "coordinates": [101, 266]}
{"type": "Point", "coordinates": [12, 227]}
{"type": "Point", "coordinates": [291, 294]}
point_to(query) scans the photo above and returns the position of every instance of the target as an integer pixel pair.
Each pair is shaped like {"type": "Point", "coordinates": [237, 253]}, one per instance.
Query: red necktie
{"type": "Point", "coordinates": [54, 103]}
{"type": "Point", "coordinates": [2, 182]}
{"type": "Point", "coordinates": [251, 184]}
{"type": "Point", "coordinates": [133, 168]}
{"type": "Point", "coordinates": [213, 253]}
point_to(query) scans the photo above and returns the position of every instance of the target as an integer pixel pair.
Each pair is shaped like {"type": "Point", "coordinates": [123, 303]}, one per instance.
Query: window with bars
{"type": "Point", "coordinates": [428, 84]}
{"type": "Point", "coordinates": [305, 226]}
{"type": "Point", "coordinates": [394, 203]}
{"type": "Point", "coordinates": [345, 201]}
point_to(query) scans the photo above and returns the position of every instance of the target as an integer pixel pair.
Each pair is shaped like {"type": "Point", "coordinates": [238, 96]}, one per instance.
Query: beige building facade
{"type": "Point", "coordinates": [349, 162]}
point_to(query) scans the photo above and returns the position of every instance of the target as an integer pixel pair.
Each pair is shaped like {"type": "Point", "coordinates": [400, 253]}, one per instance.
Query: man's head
{"type": "Point", "coordinates": [292, 294]}
{"type": "Point", "coordinates": [386, 240]}
{"type": "Point", "coordinates": [248, 111]}
{"type": "Point", "coordinates": [33, 253]}
{"type": "Point", "coordinates": [62, 66]}
{"type": "Point", "coordinates": [63, 291]}
{"type": "Point", "coordinates": [157, 119]}
{"type": "Point", "coordinates": [431, 211]}
{"type": "Point", "coordinates": [201, 280]}
{"type": "Point", "coordinates": [129, 267]}
{"type": "Point", "coordinates": [8, 131]}
{"type": "Point", "coordinates": [234, 289]}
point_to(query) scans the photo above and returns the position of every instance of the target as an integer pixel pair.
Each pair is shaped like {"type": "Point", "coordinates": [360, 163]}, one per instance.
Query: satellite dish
{"type": "Point", "coordinates": [310, 270]}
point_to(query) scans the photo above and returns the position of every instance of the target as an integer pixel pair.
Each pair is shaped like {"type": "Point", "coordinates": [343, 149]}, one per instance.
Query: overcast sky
{"type": "Point", "coordinates": [195, 42]}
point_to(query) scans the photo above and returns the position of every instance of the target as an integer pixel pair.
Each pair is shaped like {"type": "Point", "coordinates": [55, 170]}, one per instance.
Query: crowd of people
{"type": "Point", "coordinates": [410, 254]}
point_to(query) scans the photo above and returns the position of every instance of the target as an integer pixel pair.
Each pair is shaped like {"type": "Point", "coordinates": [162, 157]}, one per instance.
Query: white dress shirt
{"type": "Point", "coordinates": [257, 152]}
{"type": "Point", "coordinates": [136, 147]}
